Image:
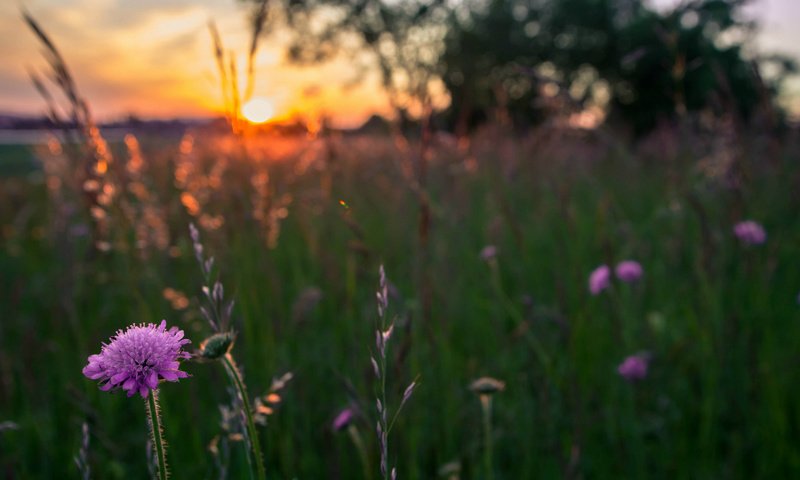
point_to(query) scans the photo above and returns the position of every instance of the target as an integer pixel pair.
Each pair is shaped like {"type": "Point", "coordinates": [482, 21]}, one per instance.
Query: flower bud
{"type": "Point", "coordinates": [216, 345]}
{"type": "Point", "coordinates": [487, 386]}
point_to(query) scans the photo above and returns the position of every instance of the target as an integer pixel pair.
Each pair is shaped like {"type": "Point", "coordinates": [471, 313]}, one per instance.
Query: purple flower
{"type": "Point", "coordinates": [600, 279]}
{"type": "Point", "coordinates": [634, 368]}
{"type": "Point", "coordinates": [343, 419]}
{"type": "Point", "coordinates": [629, 271]}
{"type": "Point", "coordinates": [136, 358]}
{"type": "Point", "coordinates": [488, 253]}
{"type": "Point", "coordinates": [750, 233]}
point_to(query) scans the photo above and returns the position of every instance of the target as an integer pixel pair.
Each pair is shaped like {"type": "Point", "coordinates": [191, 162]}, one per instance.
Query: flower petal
{"type": "Point", "coordinates": [152, 379]}
{"type": "Point", "coordinates": [93, 371]}
{"type": "Point", "coordinates": [119, 378]}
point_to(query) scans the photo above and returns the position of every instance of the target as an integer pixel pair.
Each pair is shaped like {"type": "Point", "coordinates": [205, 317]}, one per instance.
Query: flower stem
{"type": "Point", "coordinates": [255, 445]}
{"type": "Point", "coordinates": [155, 431]}
{"type": "Point", "coordinates": [486, 406]}
{"type": "Point", "coordinates": [362, 451]}
{"type": "Point", "coordinates": [513, 312]}
{"type": "Point", "coordinates": [385, 452]}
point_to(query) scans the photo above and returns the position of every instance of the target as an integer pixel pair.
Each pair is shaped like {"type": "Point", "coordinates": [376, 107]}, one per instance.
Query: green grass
{"type": "Point", "coordinates": [16, 160]}
{"type": "Point", "coordinates": [721, 320]}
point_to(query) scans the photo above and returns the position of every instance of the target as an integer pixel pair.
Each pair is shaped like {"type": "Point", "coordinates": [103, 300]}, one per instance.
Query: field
{"type": "Point", "coordinates": [298, 229]}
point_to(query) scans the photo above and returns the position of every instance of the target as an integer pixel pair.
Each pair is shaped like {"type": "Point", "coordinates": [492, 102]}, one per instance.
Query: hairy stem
{"type": "Point", "coordinates": [155, 430]}
{"type": "Point", "coordinates": [255, 445]}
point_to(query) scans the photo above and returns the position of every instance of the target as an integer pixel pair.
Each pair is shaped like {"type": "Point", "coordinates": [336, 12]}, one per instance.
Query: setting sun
{"type": "Point", "coordinates": [258, 110]}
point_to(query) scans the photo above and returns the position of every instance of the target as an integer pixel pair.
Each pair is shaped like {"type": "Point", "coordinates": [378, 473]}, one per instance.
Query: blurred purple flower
{"type": "Point", "coordinates": [79, 230]}
{"type": "Point", "coordinates": [488, 252]}
{"type": "Point", "coordinates": [634, 367]}
{"type": "Point", "coordinates": [136, 358]}
{"type": "Point", "coordinates": [343, 419]}
{"type": "Point", "coordinates": [599, 279]}
{"type": "Point", "coordinates": [629, 271]}
{"type": "Point", "coordinates": [750, 233]}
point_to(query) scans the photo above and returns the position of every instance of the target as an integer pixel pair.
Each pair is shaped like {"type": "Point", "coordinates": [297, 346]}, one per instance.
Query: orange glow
{"type": "Point", "coordinates": [258, 110]}
{"type": "Point", "coordinates": [175, 35]}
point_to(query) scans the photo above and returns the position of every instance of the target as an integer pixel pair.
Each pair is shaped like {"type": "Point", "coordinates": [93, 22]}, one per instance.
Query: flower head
{"type": "Point", "coordinates": [599, 279]}
{"type": "Point", "coordinates": [134, 359]}
{"type": "Point", "coordinates": [634, 367]}
{"type": "Point", "coordinates": [487, 386]}
{"type": "Point", "coordinates": [488, 253]}
{"type": "Point", "coordinates": [629, 271]}
{"type": "Point", "coordinates": [750, 233]}
{"type": "Point", "coordinates": [343, 419]}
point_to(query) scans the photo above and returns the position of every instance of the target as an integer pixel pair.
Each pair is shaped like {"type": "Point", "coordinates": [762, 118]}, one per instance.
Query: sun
{"type": "Point", "coordinates": [258, 110]}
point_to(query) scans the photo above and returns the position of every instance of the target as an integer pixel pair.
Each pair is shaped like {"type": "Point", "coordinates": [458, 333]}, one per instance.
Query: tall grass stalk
{"type": "Point", "coordinates": [82, 458]}
{"type": "Point", "coordinates": [382, 336]}
{"type": "Point", "coordinates": [358, 442]}
{"type": "Point", "coordinates": [231, 95]}
{"type": "Point", "coordinates": [247, 412]}
{"type": "Point", "coordinates": [219, 345]}
{"type": "Point", "coordinates": [91, 176]}
{"type": "Point", "coordinates": [516, 315]}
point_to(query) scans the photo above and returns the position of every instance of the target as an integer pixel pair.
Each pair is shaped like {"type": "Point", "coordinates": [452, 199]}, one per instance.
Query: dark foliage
{"type": "Point", "coordinates": [530, 58]}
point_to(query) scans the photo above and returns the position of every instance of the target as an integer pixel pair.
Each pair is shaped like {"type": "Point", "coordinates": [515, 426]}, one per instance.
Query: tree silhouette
{"type": "Point", "coordinates": [523, 60]}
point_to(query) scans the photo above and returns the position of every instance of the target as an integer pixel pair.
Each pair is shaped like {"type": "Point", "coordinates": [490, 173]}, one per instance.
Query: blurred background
{"type": "Point", "coordinates": [589, 205]}
{"type": "Point", "coordinates": [349, 60]}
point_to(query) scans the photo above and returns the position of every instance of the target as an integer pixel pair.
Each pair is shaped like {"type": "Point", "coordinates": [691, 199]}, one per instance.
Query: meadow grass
{"type": "Point", "coordinates": [720, 320]}
{"type": "Point", "coordinates": [16, 160]}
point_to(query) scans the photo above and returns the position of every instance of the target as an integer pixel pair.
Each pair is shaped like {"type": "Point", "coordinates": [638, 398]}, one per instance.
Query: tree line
{"type": "Point", "coordinates": [530, 59]}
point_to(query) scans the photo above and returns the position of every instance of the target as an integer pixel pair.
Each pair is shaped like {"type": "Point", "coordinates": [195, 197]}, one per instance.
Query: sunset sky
{"type": "Point", "coordinates": [154, 58]}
